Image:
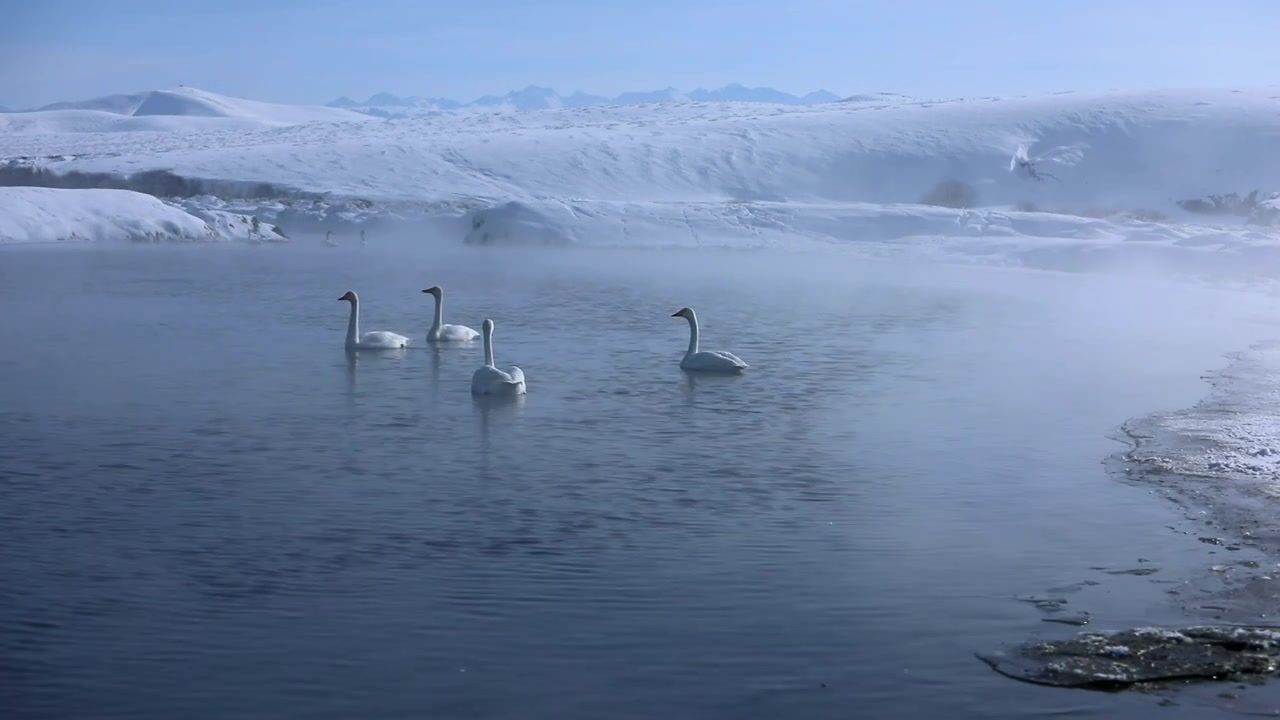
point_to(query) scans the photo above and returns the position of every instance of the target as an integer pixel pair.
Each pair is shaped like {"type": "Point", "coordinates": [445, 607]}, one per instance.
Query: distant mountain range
{"type": "Point", "coordinates": [541, 98]}
{"type": "Point", "coordinates": [530, 98]}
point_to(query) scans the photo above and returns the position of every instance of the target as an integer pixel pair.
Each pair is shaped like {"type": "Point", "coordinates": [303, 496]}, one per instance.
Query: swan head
{"type": "Point", "coordinates": [434, 290]}
{"type": "Point", "coordinates": [349, 295]}
{"type": "Point", "coordinates": [487, 326]}
{"type": "Point", "coordinates": [683, 312]}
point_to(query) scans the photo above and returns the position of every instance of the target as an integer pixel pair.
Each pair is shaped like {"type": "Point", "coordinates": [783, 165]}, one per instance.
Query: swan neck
{"type": "Point", "coordinates": [439, 319]}
{"type": "Point", "coordinates": [353, 323]}
{"type": "Point", "coordinates": [693, 335]}
{"type": "Point", "coordinates": [488, 347]}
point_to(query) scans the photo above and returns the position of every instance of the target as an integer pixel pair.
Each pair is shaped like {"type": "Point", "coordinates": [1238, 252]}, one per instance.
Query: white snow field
{"type": "Point", "coordinates": [178, 111]}
{"type": "Point", "coordinates": [46, 215]}
{"type": "Point", "coordinates": [1051, 180]}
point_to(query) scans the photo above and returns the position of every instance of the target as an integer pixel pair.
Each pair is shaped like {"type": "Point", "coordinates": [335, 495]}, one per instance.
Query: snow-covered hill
{"type": "Point", "coordinates": [172, 111]}
{"type": "Point", "coordinates": [119, 104]}
{"type": "Point", "coordinates": [1094, 172]}
{"type": "Point", "coordinates": [1121, 150]}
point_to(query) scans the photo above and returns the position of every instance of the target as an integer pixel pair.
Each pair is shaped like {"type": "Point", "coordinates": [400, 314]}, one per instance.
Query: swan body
{"type": "Point", "coordinates": [440, 332]}
{"type": "Point", "coordinates": [489, 380]}
{"type": "Point", "coordinates": [716, 361]}
{"type": "Point", "coordinates": [374, 340]}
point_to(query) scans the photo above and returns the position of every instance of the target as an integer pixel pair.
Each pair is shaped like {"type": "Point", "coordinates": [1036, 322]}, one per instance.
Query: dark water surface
{"type": "Point", "coordinates": [207, 510]}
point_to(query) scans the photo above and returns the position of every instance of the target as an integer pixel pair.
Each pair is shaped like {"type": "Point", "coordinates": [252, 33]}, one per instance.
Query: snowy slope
{"type": "Point", "coordinates": [742, 174]}
{"type": "Point", "coordinates": [190, 102]}
{"type": "Point", "coordinates": [119, 104]}
{"type": "Point", "coordinates": [184, 110]}
{"type": "Point", "coordinates": [54, 122]}
{"type": "Point", "coordinates": [35, 215]}
{"type": "Point", "coordinates": [1114, 150]}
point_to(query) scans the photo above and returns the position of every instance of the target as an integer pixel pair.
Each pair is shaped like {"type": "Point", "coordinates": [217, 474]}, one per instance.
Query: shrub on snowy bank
{"type": "Point", "coordinates": [951, 194]}
{"type": "Point", "coordinates": [1225, 204]}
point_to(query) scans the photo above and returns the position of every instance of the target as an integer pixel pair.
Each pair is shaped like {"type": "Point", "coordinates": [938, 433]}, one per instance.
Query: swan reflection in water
{"type": "Point", "coordinates": [435, 372]}
{"type": "Point", "coordinates": [491, 408]}
{"type": "Point", "coordinates": [694, 381]}
{"type": "Point", "coordinates": [354, 358]}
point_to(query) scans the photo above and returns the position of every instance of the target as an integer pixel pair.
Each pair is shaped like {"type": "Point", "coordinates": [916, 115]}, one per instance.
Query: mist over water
{"type": "Point", "coordinates": [215, 513]}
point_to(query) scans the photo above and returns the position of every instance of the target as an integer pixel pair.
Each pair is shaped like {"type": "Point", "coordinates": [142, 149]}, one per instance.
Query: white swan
{"type": "Point", "coordinates": [489, 380]}
{"type": "Point", "coordinates": [440, 332]}
{"type": "Point", "coordinates": [707, 360]}
{"type": "Point", "coordinates": [374, 340]}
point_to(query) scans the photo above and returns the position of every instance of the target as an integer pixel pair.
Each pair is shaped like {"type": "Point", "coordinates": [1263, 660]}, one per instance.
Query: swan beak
{"type": "Point", "coordinates": [675, 314]}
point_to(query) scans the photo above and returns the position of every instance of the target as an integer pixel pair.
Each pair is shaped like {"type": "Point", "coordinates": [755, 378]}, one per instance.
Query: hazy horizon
{"type": "Point", "coordinates": [311, 53]}
{"type": "Point", "coordinates": [463, 99]}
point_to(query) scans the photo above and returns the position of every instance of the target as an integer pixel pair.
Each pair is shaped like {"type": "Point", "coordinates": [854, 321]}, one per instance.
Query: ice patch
{"type": "Point", "coordinates": [1143, 657]}
{"type": "Point", "coordinates": [1233, 434]}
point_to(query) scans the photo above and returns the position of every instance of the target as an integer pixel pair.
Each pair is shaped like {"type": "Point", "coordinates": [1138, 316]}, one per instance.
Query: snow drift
{"type": "Point", "coordinates": [120, 104]}
{"type": "Point", "coordinates": [43, 215]}
{"type": "Point", "coordinates": [190, 102]}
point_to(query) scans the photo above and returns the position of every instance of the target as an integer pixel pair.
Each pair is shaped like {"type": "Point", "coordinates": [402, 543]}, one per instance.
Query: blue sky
{"type": "Point", "coordinates": [310, 51]}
